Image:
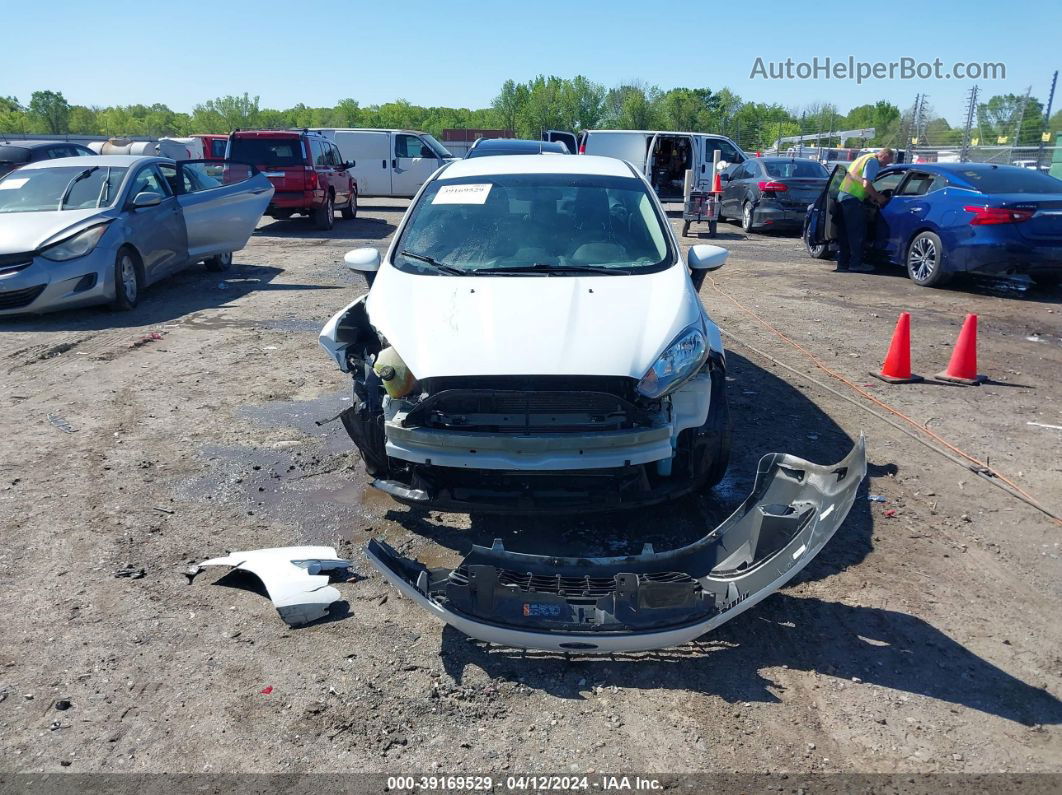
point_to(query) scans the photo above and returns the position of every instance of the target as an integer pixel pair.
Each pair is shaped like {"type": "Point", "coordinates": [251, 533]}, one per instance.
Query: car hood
{"type": "Point", "coordinates": [20, 232]}
{"type": "Point", "coordinates": [531, 325]}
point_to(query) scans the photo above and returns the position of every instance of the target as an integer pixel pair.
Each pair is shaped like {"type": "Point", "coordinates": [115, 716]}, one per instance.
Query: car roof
{"type": "Point", "coordinates": [124, 161]}
{"type": "Point", "coordinates": [25, 144]}
{"type": "Point", "coordinates": [520, 145]}
{"type": "Point", "coordinates": [521, 164]}
{"type": "Point", "coordinates": [663, 132]}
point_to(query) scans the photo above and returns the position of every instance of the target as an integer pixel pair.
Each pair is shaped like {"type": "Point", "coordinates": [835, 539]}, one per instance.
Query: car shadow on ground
{"type": "Point", "coordinates": [189, 291]}
{"type": "Point", "coordinates": [1018, 287]}
{"type": "Point", "coordinates": [360, 228]}
{"type": "Point", "coordinates": [769, 415]}
{"type": "Point", "coordinates": [854, 646]}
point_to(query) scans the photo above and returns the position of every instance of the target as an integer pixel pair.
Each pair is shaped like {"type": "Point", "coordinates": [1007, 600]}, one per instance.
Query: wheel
{"type": "Point", "coordinates": [816, 250]}
{"type": "Point", "coordinates": [925, 260]}
{"type": "Point", "coordinates": [685, 228]}
{"type": "Point", "coordinates": [1047, 280]}
{"type": "Point", "coordinates": [127, 280]}
{"type": "Point", "coordinates": [746, 216]}
{"type": "Point", "coordinates": [350, 212]}
{"type": "Point", "coordinates": [324, 216]}
{"type": "Point", "coordinates": [222, 262]}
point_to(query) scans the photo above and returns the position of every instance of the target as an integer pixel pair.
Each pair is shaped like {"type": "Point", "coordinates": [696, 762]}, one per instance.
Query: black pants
{"type": "Point", "coordinates": [852, 231]}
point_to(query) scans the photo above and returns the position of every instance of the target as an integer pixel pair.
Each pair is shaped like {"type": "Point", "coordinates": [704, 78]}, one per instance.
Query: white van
{"type": "Point", "coordinates": [388, 162]}
{"type": "Point", "coordinates": [662, 156]}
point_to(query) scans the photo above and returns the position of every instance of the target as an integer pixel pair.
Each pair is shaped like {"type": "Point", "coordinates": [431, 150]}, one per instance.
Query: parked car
{"type": "Point", "coordinates": [533, 340]}
{"type": "Point", "coordinates": [771, 191]}
{"type": "Point", "coordinates": [213, 146]}
{"type": "Point", "coordinates": [948, 218]}
{"type": "Point", "coordinates": [17, 153]}
{"type": "Point", "coordinates": [389, 162]}
{"type": "Point", "coordinates": [92, 230]}
{"type": "Point", "coordinates": [306, 169]}
{"type": "Point", "coordinates": [663, 157]}
{"type": "Point", "coordinates": [484, 147]}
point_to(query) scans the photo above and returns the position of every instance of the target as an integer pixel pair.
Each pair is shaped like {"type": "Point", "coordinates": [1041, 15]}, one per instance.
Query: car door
{"type": "Point", "coordinates": [157, 232]}
{"type": "Point", "coordinates": [222, 202]}
{"type": "Point", "coordinates": [412, 162]}
{"type": "Point", "coordinates": [892, 222]}
{"type": "Point", "coordinates": [735, 190]}
{"type": "Point", "coordinates": [559, 136]}
{"type": "Point", "coordinates": [342, 178]}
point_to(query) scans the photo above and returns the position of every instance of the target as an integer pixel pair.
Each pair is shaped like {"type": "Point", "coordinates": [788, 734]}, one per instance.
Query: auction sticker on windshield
{"type": "Point", "coordinates": [462, 194]}
{"type": "Point", "coordinates": [15, 184]}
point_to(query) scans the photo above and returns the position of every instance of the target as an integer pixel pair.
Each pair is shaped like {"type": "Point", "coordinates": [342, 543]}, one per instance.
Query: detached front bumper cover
{"type": "Point", "coordinates": [647, 601]}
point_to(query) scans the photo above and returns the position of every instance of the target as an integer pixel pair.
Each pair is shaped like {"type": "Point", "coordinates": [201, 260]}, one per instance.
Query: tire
{"type": "Point", "coordinates": [1047, 281]}
{"type": "Point", "coordinates": [925, 261]}
{"type": "Point", "coordinates": [128, 283]}
{"type": "Point", "coordinates": [324, 217]}
{"type": "Point", "coordinates": [712, 227]}
{"type": "Point", "coordinates": [746, 217]}
{"type": "Point", "coordinates": [816, 250]}
{"type": "Point", "coordinates": [222, 262]}
{"type": "Point", "coordinates": [350, 212]}
{"type": "Point", "coordinates": [685, 228]}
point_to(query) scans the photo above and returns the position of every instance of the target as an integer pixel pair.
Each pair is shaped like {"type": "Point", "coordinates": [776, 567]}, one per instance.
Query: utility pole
{"type": "Point", "coordinates": [971, 109]}
{"type": "Point", "coordinates": [1045, 129]}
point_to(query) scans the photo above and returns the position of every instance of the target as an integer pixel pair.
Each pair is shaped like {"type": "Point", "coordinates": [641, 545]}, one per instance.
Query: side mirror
{"type": "Point", "coordinates": [724, 177]}
{"type": "Point", "coordinates": [146, 198]}
{"type": "Point", "coordinates": [363, 260]}
{"type": "Point", "coordinates": [706, 258]}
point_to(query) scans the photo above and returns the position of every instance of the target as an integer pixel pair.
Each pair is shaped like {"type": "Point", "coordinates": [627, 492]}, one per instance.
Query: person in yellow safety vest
{"type": "Point", "coordinates": [856, 187]}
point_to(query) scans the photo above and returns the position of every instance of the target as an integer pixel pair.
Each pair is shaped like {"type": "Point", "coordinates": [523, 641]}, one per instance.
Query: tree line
{"type": "Point", "coordinates": [548, 103]}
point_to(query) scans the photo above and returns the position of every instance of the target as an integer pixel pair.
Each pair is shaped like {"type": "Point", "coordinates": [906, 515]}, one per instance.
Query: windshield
{"type": "Point", "coordinates": [546, 220]}
{"type": "Point", "coordinates": [436, 147]}
{"type": "Point", "coordinates": [795, 169]}
{"type": "Point", "coordinates": [1011, 180]}
{"type": "Point", "coordinates": [268, 151]}
{"type": "Point", "coordinates": [32, 190]}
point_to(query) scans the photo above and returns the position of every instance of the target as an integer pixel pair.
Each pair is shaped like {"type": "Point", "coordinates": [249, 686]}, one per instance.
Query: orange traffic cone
{"type": "Point", "coordinates": [717, 184]}
{"type": "Point", "coordinates": [897, 366]}
{"type": "Point", "coordinates": [962, 369]}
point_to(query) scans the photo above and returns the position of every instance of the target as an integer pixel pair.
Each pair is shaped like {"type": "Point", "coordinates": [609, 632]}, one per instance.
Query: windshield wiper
{"type": "Point", "coordinates": [442, 267]}
{"type": "Point", "coordinates": [542, 267]}
{"type": "Point", "coordinates": [70, 185]}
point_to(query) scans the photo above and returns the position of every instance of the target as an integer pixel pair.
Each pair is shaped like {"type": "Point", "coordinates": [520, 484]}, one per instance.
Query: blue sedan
{"type": "Point", "coordinates": [948, 218]}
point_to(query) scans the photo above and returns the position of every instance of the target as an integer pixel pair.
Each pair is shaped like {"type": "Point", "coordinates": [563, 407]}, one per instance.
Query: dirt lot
{"type": "Point", "coordinates": [925, 639]}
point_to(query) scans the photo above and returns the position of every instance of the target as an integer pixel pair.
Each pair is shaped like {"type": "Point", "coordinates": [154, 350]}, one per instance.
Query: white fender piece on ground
{"type": "Point", "coordinates": [295, 578]}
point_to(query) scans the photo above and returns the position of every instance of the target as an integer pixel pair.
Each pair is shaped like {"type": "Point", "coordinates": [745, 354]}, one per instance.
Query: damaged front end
{"type": "Point", "coordinates": [646, 601]}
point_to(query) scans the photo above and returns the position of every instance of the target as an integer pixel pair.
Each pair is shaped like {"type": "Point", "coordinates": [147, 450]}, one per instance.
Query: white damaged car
{"type": "Point", "coordinates": [533, 341]}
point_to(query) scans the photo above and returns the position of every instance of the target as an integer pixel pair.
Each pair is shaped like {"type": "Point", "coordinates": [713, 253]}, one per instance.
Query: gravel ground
{"type": "Point", "coordinates": [925, 637]}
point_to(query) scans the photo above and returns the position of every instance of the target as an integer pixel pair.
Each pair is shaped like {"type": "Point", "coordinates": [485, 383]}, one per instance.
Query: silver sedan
{"type": "Point", "coordinates": [92, 230]}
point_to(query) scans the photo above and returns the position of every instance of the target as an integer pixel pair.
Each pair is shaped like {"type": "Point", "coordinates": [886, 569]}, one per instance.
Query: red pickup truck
{"type": "Point", "coordinates": [309, 175]}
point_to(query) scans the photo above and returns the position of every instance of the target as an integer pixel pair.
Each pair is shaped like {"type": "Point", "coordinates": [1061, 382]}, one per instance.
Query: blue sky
{"type": "Point", "coordinates": [458, 53]}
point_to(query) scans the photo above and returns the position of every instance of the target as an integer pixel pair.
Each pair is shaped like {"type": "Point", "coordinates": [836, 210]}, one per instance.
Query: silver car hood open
{"type": "Point", "coordinates": [646, 601]}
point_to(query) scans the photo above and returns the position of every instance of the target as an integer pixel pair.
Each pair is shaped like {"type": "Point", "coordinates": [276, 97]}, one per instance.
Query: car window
{"type": "Point", "coordinates": [148, 179]}
{"type": "Point", "coordinates": [1008, 179]}
{"type": "Point", "coordinates": [72, 187]}
{"type": "Point", "coordinates": [278, 152]}
{"type": "Point", "coordinates": [62, 151]}
{"type": "Point", "coordinates": [745, 171]}
{"type": "Point", "coordinates": [411, 146]}
{"type": "Point", "coordinates": [217, 147]}
{"type": "Point", "coordinates": [334, 157]}
{"type": "Point", "coordinates": [888, 181]}
{"type": "Point", "coordinates": [918, 185]}
{"type": "Point", "coordinates": [544, 220]}
{"type": "Point", "coordinates": [726, 150]}
{"type": "Point", "coordinates": [795, 169]}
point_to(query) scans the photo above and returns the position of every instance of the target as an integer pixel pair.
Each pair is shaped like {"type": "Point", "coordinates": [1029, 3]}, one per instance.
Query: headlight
{"type": "Point", "coordinates": [681, 359]}
{"type": "Point", "coordinates": [76, 246]}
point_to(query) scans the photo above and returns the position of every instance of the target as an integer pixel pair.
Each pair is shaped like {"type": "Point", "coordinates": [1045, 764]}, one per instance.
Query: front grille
{"type": "Point", "coordinates": [16, 299]}
{"type": "Point", "coordinates": [10, 263]}
{"type": "Point", "coordinates": [571, 588]}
